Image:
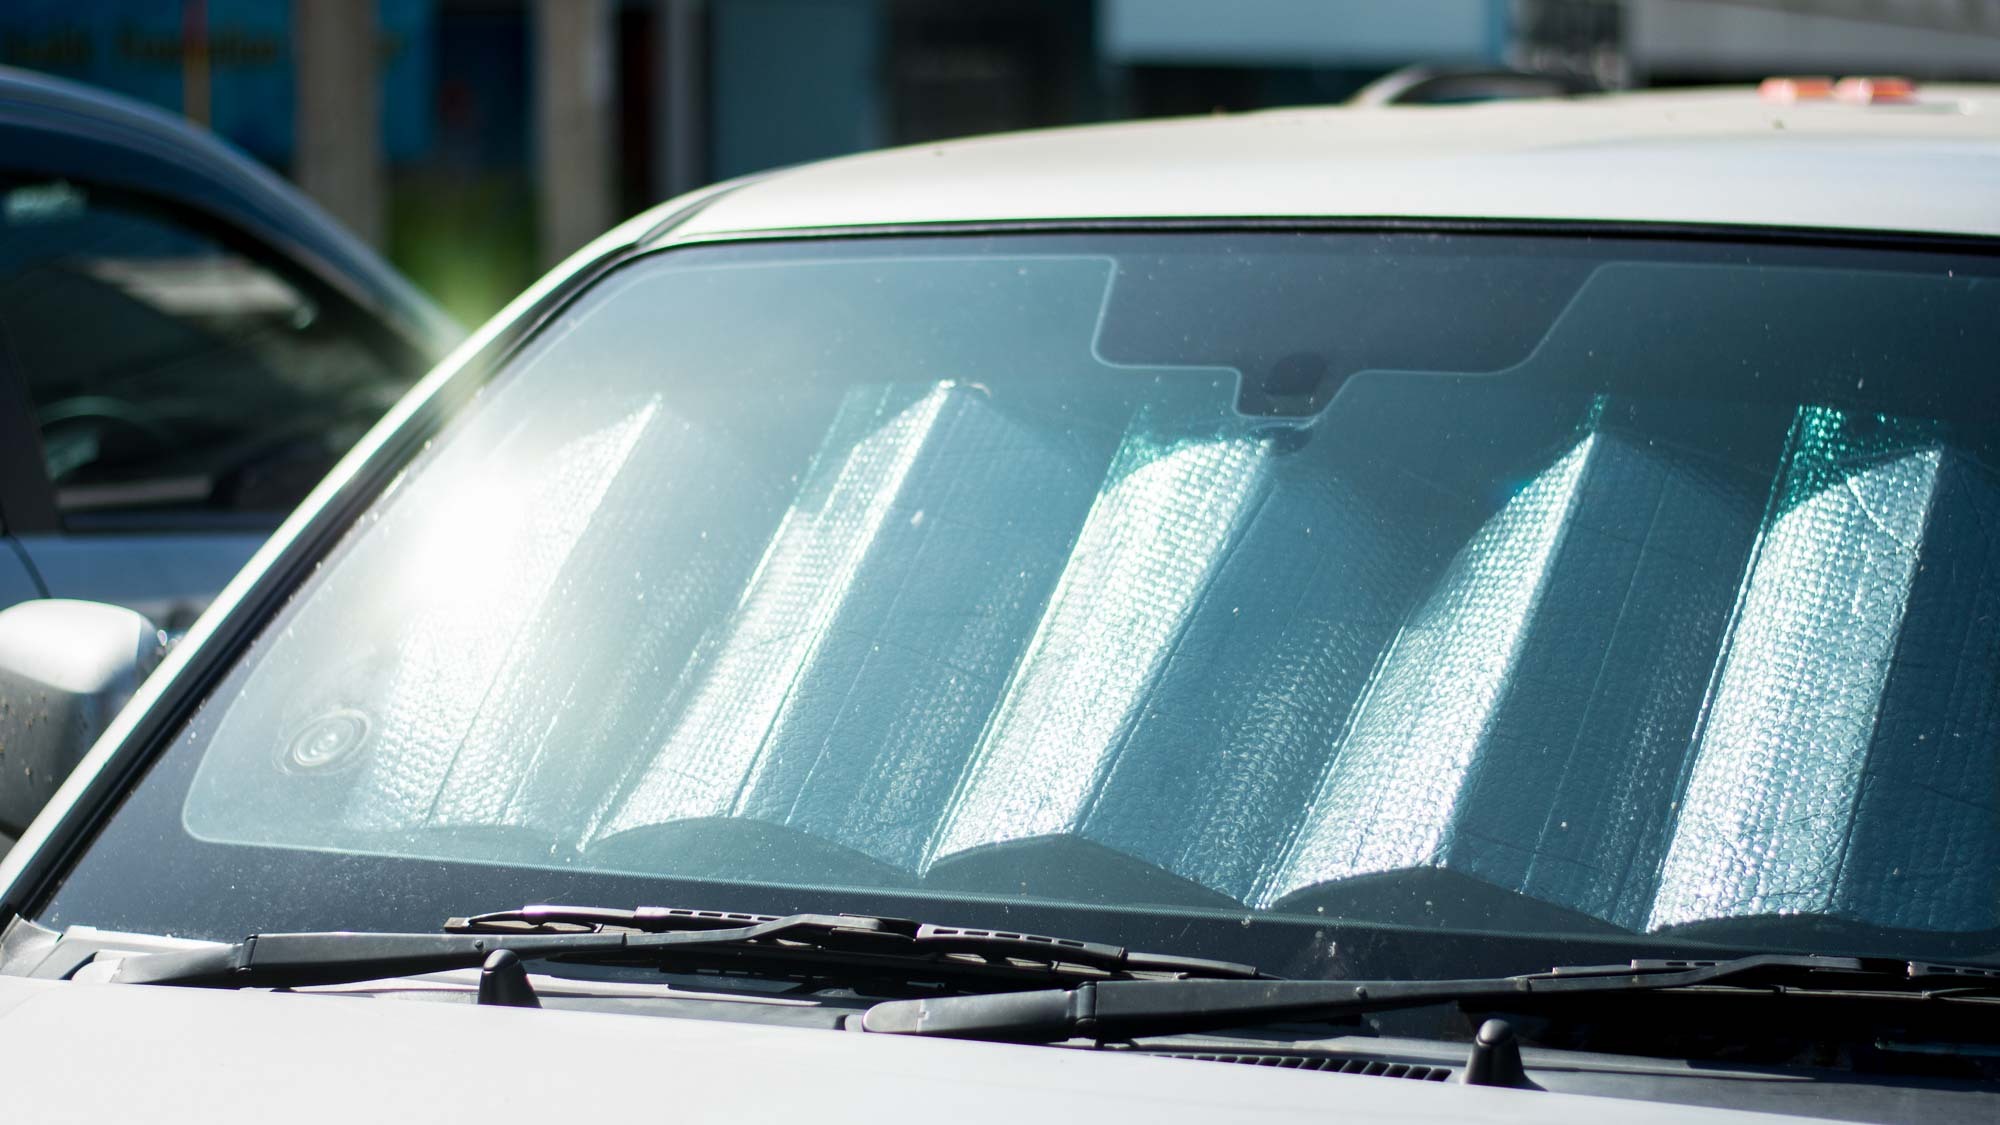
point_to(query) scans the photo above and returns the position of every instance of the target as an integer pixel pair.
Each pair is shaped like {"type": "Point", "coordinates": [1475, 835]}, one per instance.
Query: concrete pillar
{"type": "Point", "coordinates": [573, 122]}
{"type": "Point", "coordinates": [680, 143]}
{"type": "Point", "coordinates": [338, 143]}
{"type": "Point", "coordinates": [795, 80]}
{"type": "Point", "coordinates": [195, 97]}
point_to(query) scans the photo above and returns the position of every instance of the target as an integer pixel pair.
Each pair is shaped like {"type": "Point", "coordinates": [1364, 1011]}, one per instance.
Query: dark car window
{"type": "Point", "coordinates": [1204, 589]}
{"type": "Point", "coordinates": [172, 374]}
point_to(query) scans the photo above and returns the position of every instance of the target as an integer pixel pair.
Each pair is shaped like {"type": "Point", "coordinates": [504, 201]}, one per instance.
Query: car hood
{"type": "Point", "coordinates": [102, 1052]}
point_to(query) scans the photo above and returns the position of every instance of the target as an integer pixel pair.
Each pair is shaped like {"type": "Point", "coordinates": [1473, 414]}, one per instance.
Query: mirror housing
{"type": "Point", "coordinates": [66, 668]}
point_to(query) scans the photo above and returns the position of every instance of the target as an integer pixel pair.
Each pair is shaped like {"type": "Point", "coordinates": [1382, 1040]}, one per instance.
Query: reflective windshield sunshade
{"type": "Point", "coordinates": [1395, 781]}
{"type": "Point", "coordinates": [871, 645]}
{"type": "Point", "coordinates": [534, 757]}
{"type": "Point", "coordinates": [1526, 731]}
{"type": "Point", "coordinates": [1554, 585]}
{"type": "Point", "coordinates": [442, 705]}
{"type": "Point", "coordinates": [1249, 695]}
{"type": "Point", "coordinates": [1836, 771]}
{"type": "Point", "coordinates": [502, 548]}
{"type": "Point", "coordinates": [1146, 554]}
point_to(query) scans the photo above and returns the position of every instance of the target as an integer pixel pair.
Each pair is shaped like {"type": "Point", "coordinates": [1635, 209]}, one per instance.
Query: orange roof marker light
{"type": "Point", "coordinates": [1868, 91]}
{"type": "Point", "coordinates": [1795, 89]}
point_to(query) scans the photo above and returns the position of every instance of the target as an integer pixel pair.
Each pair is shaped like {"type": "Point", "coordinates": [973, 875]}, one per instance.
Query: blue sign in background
{"type": "Point", "coordinates": [137, 48]}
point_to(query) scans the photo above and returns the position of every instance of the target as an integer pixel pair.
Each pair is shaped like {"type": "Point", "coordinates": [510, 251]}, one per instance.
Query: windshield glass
{"type": "Point", "coordinates": [1256, 595]}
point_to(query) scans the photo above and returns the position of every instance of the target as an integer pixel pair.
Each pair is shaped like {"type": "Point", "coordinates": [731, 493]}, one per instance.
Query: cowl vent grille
{"type": "Point", "coordinates": [1374, 1067]}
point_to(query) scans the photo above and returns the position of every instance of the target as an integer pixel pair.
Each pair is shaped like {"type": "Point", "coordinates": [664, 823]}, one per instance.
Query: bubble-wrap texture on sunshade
{"type": "Point", "coordinates": [539, 753]}
{"type": "Point", "coordinates": [1251, 696]}
{"type": "Point", "coordinates": [1388, 800]}
{"type": "Point", "coordinates": [1846, 765]}
{"type": "Point", "coordinates": [464, 645]}
{"type": "Point", "coordinates": [449, 658]}
{"type": "Point", "coordinates": [855, 674]}
{"type": "Point", "coordinates": [1196, 667]}
{"type": "Point", "coordinates": [1529, 724]}
{"type": "Point", "coordinates": [1141, 565]}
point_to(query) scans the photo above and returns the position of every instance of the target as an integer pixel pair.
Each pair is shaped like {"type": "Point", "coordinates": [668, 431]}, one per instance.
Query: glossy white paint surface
{"type": "Point", "coordinates": [1705, 156]}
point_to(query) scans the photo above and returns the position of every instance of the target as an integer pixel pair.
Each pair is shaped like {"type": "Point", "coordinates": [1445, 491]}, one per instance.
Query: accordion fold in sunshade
{"type": "Point", "coordinates": [1846, 766]}
{"type": "Point", "coordinates": [1527, 728]}
{"type": "Point", "coordinates": [1142, 563]}
{"type": "Point", "coordinates": [454, 698]}
{"type": "Point", "coordinates": [1389, 798]}
{"type": "Point", "coordinates": [1193, 672]}
{"type": "Point", "coordinates": [854, 675]}
{"type": "Point", "coordinates": [443, 676]}
{"type": "Point", "coordinates": [533, 758]}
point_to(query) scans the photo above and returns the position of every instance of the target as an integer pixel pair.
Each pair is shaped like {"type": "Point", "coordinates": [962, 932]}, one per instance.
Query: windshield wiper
{"type": "Point", "coordinates": [652, 935]}
{"type": "Point", "coordinates": [1118, 1010]}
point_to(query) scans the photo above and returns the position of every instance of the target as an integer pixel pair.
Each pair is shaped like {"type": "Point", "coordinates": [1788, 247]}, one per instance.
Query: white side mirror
{"type": "Point", "coordinates": [66, 667]}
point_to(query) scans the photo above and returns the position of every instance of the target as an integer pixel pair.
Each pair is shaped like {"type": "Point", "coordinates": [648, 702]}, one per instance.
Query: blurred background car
{"type": "Point", "coordinates": [186, 345]}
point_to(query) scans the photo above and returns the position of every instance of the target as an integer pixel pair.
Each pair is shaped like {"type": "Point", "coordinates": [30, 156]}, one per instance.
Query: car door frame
{"type": "Point", "coordinates": [27, 500]}
{"type": "Point", "coordinates": [52, 129]}
{"type": "Point", "coordinates": [188, 554]}
{"type": "Point", "coordinates": [86, 136]}
{"type": "Point", "coordinates": [31, 506]}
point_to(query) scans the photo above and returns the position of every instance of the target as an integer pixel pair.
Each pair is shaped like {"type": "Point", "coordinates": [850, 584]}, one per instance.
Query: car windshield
{"type": "Point", "coordinates": [1329, 601]}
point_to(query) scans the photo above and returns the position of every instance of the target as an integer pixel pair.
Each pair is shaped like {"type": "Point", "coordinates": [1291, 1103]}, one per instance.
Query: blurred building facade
{"type": "Point", "coordinates": [478, 140]}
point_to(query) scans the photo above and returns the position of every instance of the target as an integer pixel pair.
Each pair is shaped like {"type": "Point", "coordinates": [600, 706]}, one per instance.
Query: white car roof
{"type": "Point", "coordinates": [1714, 156]}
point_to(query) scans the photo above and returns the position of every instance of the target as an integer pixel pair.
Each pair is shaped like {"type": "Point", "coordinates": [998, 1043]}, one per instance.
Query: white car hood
{"type": "Point", "coordinates": [104, 1052]}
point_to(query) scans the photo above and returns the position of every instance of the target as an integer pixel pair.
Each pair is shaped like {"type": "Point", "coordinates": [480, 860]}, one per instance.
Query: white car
{"type": "Point", "coordinates": [1500, 603]}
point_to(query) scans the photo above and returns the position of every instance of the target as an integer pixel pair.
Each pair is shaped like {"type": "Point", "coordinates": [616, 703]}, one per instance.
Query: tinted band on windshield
{"type": "Point", "coordinates": [1555, 587]}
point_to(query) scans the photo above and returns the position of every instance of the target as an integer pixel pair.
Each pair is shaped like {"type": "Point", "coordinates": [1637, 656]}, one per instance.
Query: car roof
{"type": "Point", "coordinates": [52, 127]}
{"type": "Point", "coordinates": [1709, 156]}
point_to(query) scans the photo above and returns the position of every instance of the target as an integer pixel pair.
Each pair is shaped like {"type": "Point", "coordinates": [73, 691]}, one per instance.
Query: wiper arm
{"type": "Point", "coordinates": [1116, 1010]}
{"type": "Point", "coordinates": [645, 935]}
{"type": "Point", "coordinates": [877, 934]}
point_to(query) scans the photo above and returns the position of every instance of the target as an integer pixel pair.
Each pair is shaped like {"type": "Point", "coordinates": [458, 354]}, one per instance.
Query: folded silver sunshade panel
{"type": "Point", "coordinates": [1252, 695]}
{"type": "Point", "coordinates": [1193, 674]}
{"type": "Point", "coordinates": [1389, 798]}
{"type": "Point", "coordinates": [1849, 755]}
{"type": "Point", "coordinates": [469, 662]}
{"type": "Point", "coordinates": [1924, 853]}
{"type": "Point", "coordinates": [1570, 800]}
{"type": "Point", "coordinates": [853, 678]}
{"type": "Point", "coordinates": [1529, 727]}
{"type": "Point", "coordinates": [570, 712]}
{"type": "Point", "coordinates": [487, 574]}
{"type": "Point", "coordinates": [1166, 516]}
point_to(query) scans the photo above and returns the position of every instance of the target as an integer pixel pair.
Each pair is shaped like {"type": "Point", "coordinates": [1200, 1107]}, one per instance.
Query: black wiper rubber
{"type": "Point", "coordinates": [1118, 1010]}
{"type": "Point", "coordinates": [894, 935]}
{"type": "Point", "coordinates": [306, 959]}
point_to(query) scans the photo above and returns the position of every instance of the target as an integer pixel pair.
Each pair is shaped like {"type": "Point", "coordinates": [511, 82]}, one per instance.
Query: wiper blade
{"type": "Point", "coordinates": [1117, 1010]}
{"type": "Point", "coordinates": [877, 935]}
{"type": "Point", "coordinates": [644, 936]}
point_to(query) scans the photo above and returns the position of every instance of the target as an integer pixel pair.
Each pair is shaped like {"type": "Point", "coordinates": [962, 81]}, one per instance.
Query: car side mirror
{"type": "Point", "coordinates": [66, 667]}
